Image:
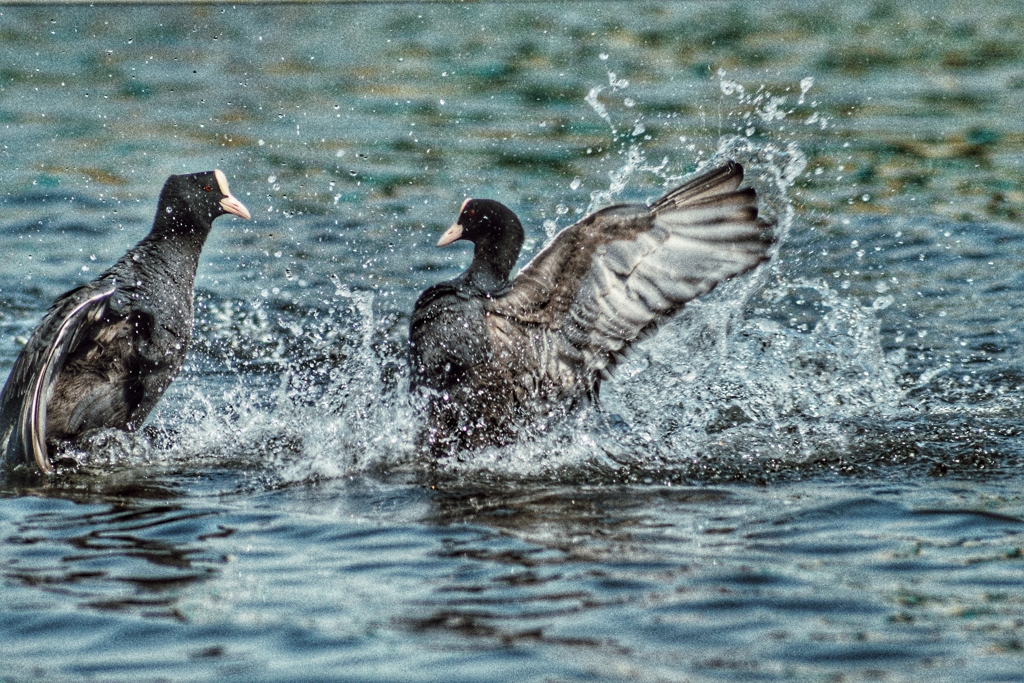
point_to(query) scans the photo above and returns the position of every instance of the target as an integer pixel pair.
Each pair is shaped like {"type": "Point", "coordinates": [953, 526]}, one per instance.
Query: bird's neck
{"type": "Point", "coordinates": [494, 256]}
{"type": "Point", "coordinates": [491, 267]}
{"type": "Point", "coordinates": [170, 252]}
{"type": "Point", "coordinates": [183, 233]}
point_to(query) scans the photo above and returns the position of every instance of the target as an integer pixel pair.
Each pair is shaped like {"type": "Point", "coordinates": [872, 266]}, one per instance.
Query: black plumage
{"type": "Point", "coordinates": [106, 351]}
{"type": "Point", "coordinates": [492, 353]}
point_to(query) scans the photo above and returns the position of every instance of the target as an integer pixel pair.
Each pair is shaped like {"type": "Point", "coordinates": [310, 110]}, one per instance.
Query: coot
{"type": "Point", "coordinates": [107, 350]}
{"type": "Point", "coordinates": [491, 354]}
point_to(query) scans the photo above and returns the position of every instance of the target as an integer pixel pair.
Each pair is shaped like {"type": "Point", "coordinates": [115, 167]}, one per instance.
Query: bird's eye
{"type": "Point", "coordinates": [207, 188]}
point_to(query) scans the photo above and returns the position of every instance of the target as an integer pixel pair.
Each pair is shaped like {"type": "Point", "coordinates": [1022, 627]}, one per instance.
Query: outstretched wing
{"type": "Point", "coordinates": [35, 372]}
{"type": "Point", "coordinates": [610, 279]}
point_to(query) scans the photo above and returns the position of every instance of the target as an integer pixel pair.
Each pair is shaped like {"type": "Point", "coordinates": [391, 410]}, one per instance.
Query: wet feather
{"type": "Point", "coordinates": [490, 354]}
{"type": "Point", "coordinates": [106, 351]}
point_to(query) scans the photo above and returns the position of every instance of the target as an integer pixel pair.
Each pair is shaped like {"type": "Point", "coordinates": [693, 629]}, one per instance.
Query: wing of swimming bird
{"type": "Point", "coordinates": [613, 277]}
{"type": "Point", "coordinates": [24, 400]}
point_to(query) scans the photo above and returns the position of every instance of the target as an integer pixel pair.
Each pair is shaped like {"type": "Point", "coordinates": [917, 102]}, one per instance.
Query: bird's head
{"type": "Point", "coordinates": [483, 221]}
{"type": "Point", "coordinates": [497, 236]}
{"type": "Point", "coordinates": [201, 197]}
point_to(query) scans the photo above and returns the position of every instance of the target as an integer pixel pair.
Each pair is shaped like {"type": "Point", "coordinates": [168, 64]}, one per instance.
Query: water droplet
{"type": "Point", "coordinates": [805, 85]}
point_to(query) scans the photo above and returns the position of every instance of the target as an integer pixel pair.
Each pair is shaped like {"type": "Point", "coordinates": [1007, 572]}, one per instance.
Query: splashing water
{"type": "Point", "coordinates": [332, 411]}
{"type": "Point", "coordinates": [597, 106]}
{"type": "Point", "coordinates": [320, 405]}
{"type": "Point", "coordinates": [766, 370]}
{"type": "Point", "coordinates": [738, 384]}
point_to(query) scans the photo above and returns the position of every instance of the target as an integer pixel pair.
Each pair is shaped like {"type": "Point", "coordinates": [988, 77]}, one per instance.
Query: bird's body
{"type": "Point", "coordinates": [493, 354]}
{"type": "Point", "coordinates": [106, 351]}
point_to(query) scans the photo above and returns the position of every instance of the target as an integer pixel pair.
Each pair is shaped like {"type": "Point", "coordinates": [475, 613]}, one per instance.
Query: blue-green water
{"type": "Point", "coordinates": [812, 474]}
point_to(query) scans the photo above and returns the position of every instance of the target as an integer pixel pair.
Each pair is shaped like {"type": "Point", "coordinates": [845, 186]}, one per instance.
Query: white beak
{"type": "Point", "coordinates": [450, 235]}
{"type": "Point", "coordinates": [229, 203]}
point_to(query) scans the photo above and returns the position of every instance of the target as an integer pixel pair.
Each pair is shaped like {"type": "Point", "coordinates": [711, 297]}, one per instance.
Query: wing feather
{"type": "Point", "coordinates": [612, 278]}
{"type": "Point", "coordinates": [718, 181]}
{"type": "Point", "coordinates": [35, 373]}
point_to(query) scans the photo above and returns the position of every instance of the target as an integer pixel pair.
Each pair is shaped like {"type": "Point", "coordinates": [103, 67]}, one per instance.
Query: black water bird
{"type": "Point", "coordinates": [492, 353]}
{"type": "Point", "coordinates": [106, 351]}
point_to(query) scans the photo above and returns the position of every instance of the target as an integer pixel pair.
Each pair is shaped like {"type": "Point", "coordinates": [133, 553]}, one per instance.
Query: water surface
{"type": "Point", "coordinates": [811, 474]}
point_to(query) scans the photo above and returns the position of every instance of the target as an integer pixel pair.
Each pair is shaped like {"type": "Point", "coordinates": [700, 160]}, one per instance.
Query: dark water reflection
{"type": "Point", "coordinates": [132, 555]}
{"type": "Point", "coordinates": [645, 582]}
{"type": "Point", "coordinates": [722, 571]}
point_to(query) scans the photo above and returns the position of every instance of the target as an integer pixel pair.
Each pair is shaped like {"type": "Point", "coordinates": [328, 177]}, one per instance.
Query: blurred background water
{"type": "Point", "coordinates": [811, 474]}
